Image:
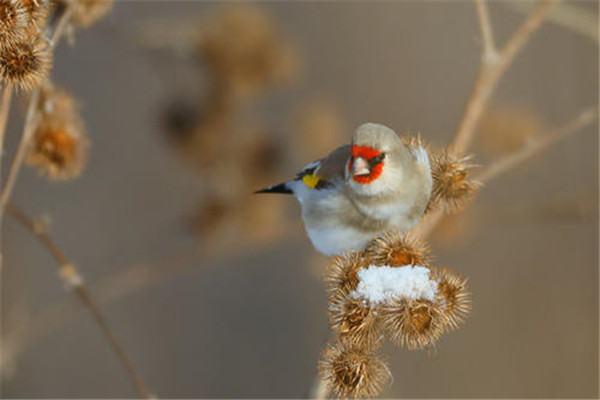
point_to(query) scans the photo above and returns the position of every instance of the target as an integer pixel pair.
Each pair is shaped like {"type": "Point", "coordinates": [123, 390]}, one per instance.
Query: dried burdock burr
{"type": "Point", "coordinates": [25, 64]}
{"type": "Point", "coordinates": [58, 151]}
{"type": "Point", "coordinates": [37, 11]}
{"type": "Point", "coordinates": [13, 22]}
{"type": "Point", "coordinates": [414, 324]}
{"type": "Point", "coordinates": [397, 249]}
{"type": "Point", "coordinates": [59, 145]}
{"type": "Point", "coordinates": [452, 295]}
{"type": "Point", "coordinates": [453, 187]}
{"type": "Point", "coordinates": [353, 372]}
{"type": "Point", "coordinates": [355, 320]}
{"type": "Point", "coordinates": [342, 274]}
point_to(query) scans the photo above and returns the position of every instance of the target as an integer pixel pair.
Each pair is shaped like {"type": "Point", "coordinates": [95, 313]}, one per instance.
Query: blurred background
{"type": "Point", "coordinates": [214, 292]}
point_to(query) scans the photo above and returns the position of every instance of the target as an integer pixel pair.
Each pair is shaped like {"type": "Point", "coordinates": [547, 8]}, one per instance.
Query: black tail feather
{"type": "Point", "coordinates": [281, 188]}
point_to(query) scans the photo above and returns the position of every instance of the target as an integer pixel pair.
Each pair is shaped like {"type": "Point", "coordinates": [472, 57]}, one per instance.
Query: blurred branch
{"type": "Point", "coordinates": [507, 163]}
{"type": "Point", "coordinates": [135, 278]}
{"type": "Point", "coordinates": [5, 99]}
{"type": "Point", "coordinates": [70, 275]}
{"type": "Point", "coordinates": [569, 15]}
{"type": "Point", "coordinates": [487, 80]}
{"type": "Point", "coordinates": [492, 69]}
{"type": "Point", "coordinates": [489, 51]}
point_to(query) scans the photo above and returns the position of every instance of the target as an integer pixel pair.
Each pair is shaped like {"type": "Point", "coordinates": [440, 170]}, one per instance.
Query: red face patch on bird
{"type": "Point", "coordinates": [373, 158]}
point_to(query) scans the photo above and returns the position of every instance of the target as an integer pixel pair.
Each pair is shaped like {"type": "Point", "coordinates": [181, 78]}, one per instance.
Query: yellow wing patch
{"type": "Point", "coordinates": [310, 180]}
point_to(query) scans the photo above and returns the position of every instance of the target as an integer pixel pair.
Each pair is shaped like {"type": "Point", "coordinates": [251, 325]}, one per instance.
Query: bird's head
{"type": "Point", "coordinates": [376, 159]}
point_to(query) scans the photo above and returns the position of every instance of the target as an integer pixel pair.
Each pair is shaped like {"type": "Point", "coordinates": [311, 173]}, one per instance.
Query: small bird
{"type": "Point", "coordinates": [360, 190]}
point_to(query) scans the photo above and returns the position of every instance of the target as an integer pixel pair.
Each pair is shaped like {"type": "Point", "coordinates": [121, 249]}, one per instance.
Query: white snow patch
{"type": "Point", "coordinates": [381, 284]}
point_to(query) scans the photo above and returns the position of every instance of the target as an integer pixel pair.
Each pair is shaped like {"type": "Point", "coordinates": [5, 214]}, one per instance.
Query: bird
{"type": "Point", "coordinates": [360, 190]}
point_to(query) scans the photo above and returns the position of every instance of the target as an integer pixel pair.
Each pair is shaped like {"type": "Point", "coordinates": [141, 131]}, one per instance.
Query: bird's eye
{"type": "Point", "coordinates": [378, 158]}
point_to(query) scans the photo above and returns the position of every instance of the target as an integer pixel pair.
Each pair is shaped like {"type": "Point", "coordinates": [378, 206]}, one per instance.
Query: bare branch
{"type": "Point", "coordinates": [511, 161]}
{"type": "Point", "coordinates": [490, 74]}
{"type": "Point", "coordinates": [70, 275]}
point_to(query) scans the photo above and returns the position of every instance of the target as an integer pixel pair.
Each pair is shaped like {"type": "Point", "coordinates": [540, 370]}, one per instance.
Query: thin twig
{"type": "Point", "coordinates": [487, 80]}
{"type": "Point", "coordinates": [30, 119]}
{"type": "Point", "coordinates": [490, 74]}
{"type": "Point", "coordinates": [489, 52]}
{"type": "Point", "coordinates": [510, 161]}
{"type": "Point", "coordinates": [570, 15]}
{"type": "Point", "coordinates": [131, 279]}
{"type": "Point", "coordinates": [5, 98]}
{"type": "Point", "coordinates": [69, 273]}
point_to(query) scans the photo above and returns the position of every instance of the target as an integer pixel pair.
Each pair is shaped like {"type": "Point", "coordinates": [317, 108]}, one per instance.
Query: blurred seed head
{"type": "Point", "coordinates": [13, 22]}
{"type": "Point", "coordinates": [355, 320]}
{"type": "Point", "coordinates": [88, 12]}
{"type": "Point", "coordinates": [453, 187]}
{"type": "Point", "coordinates": [452, 295]}
{"type": "Point", "coordinates": [353, 372]}
{"type": "Point", "coordinates": [59, 145]}
{"type": "Point", "coordinates": [244, 51]}
{"type": "Point", "coordinates": [507, 129]}
{"type": "Point", "coordinates": [25, 64]}
{"type": "Point", "coordinates": [398, 249]}
{"type": "Point", "coordinates": [414, 324]}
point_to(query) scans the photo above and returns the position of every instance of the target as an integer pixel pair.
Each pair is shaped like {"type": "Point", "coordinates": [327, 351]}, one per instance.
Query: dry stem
{"type": "Point", "coordinates": [71, 276]}
{"type": "Point", "coordinates": [492, 69]}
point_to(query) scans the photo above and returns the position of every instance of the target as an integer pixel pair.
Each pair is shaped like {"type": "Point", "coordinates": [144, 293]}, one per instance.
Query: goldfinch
{"type": "Point", "coordinates": [360, 190]}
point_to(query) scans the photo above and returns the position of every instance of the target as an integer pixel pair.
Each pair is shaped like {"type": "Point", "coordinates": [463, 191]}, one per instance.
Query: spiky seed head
{"type": "Point", "coordinates": [342, 274]}
{"type": "Point", "coordinates": [59, 144]}
{"type": "Point", "coordinates": [353, 372]}
{"type": "Point", "coordinates": [25, 64]}
{"type": "Point", "coordinates": [58, 152]}
{"type": "Point", "coordinates": [396, 249]}
{"type": "Point", "coordinates": [13, 22]}
{"type": "Point", "coordinates": [244, 50]}
{"type": "Point", "coordinates": [453, 187]}
{"type": "Point", "coordinates": [37, 11]}
{"type": "Point", "coordinates": [88, 12]}
{"type": "Point", "coordinates": [355, 320]}
{"type": "Point", "coordinates": [452, 295]}
{"type": "Point", "coordinates": [414, 324]}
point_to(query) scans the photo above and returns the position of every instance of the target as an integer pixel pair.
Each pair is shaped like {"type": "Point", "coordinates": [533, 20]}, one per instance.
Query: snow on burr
{"type": "Point", "coordinates": [379, 284]}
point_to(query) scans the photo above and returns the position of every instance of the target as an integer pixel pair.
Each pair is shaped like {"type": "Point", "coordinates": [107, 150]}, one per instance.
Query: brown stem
{"type": "Point", "coordinates": [491, 71]}
{"type": "Point", "coordinates": [71, 276]}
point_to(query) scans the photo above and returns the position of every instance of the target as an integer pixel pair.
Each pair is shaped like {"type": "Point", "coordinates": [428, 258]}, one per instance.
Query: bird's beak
{"type": "Point", "coordinates": [360, 167]}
